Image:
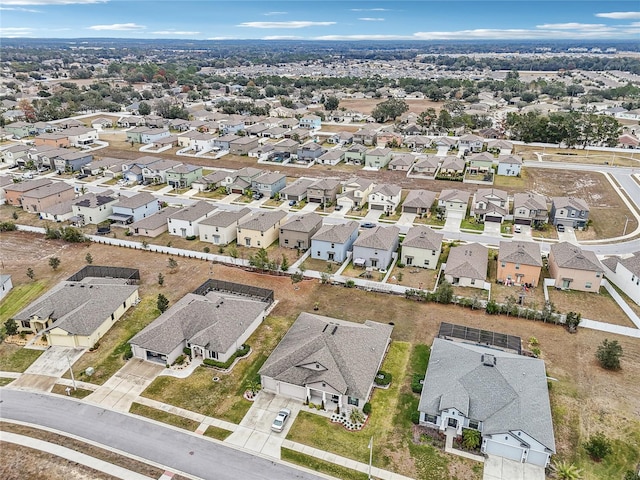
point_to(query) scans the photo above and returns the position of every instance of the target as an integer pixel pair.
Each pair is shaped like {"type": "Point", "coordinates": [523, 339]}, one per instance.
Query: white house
{"type": "Point", "coordinates": [509, 165]}
{"type": "Point", "coordinates": [94, 208]}
{"type": "Point", "coordinates": [185, 222]}
{"type": "Point", "coordinates": [421, 247]}
{"type": "Point", "coordinates": [134, 208]}
{"type": "Point", "coordinates": [625, 273]}
{"type": "Point", "coordinates": [5, 285]}
{"type": "Point", "coordinates": [220, 228]}
{"type": "Point", "coordinates": [385, 197]}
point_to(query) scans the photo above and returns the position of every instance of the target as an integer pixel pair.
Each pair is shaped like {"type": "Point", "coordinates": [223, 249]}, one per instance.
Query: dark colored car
{"type": "Point", "coordinates": [560, 227]}
{"type": "Point", "coordinates": [368, 225]}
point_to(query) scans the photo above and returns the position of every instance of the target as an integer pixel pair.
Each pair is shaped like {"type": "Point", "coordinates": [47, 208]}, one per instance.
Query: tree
{"type": "Point", "coordinates": [162, 303]}
{"type": "Point", "coordinates": [566, 471]}
{"type": "Point", "coordinates": [284, 265]}
{"type": "Point", "coordinates": [444, 292]}
{"type": "Point", "coordinates": [88, 258]}
{"type": "Point", "coordinates": [609, 353]}
{"type": "Point", "coordinates": [389, 109]}
{"type": "Point", "coordinates": [54, 263]}
{"type": "Point", "coordinates": [427, 118]}
{"type": "Point", "coordinates": [631, 475]}
{"type": "Point", "coordinates": [471, 438]}
{"type": "Point", "coordinates": [572, 321]}
{"type": "Point", "coordinates": [11, 327]}
{"type": "Point", "coordinates": [144, 108]}
{"type": "Point", "coordinates": [160, 279]}
{"type": "Point", "coordinates": [331, 103]}
{"type": "Point", "coordinates": [260, 259]}
{"type": "Point", "coordinates": [172, 264]}
{"type": "Point", "coordinates": [30, 273]}
{"type": "Point", "coordinates": [598, 446]}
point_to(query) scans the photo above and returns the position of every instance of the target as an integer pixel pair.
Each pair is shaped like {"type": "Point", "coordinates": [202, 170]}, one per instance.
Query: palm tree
{"type": "Point", "coordinates": [471, 438]}
{"type": "Point", "coordinates": [566, 471]}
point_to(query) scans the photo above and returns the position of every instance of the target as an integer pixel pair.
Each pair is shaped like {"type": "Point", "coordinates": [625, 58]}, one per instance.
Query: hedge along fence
{"type": "Point", "coordinates": [243, 351]}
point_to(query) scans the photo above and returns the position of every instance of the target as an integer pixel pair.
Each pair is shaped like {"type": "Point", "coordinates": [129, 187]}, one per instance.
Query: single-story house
{"type": "Point", "coordinates": [212, 181]}
{"type": "Point", "coordinates": [573, 268]}
{"type": "Point", "coordinates": [298, 230]}
{"type": "Point", "coordinates": [221, 228]}
{"type": "Point", "coordinates": [375, 247]}
{"type": "Point", "coordinates": [418, 202]}
{"type": "Point", "coordinates": [467, 265]}
{"type": "Point", "coordinates": [402, 162]}
{"type": "Point", "coordinates": [331, 157]}
{"type": "Point", "coordinates": [452, 166]}
{"type": "Point", "coordinates": [333, 242]}
{"type": "Point", "coordinates": [421, 247]}
{"type": "Point", "coordinates": [519, 263]}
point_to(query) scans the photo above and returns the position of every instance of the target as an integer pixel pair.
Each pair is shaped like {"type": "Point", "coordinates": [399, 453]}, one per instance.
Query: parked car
{"type": "Point", "coordinates": [292, 203]}
{"type": "Point", "coordinates": [338, 208]}
{"type": "Point", "coordinates": [368, 225]}
{"type": "Point", "coordinates": [517, 229]}
{"type": "Point", "coordinates": [280, 420]}
{"type": "Point", "coordinates": [560, 227]}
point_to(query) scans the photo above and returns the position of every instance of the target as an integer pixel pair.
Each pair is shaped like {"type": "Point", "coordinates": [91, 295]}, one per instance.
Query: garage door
{"type": "Point", "coordinates": [410, 210]}
{"type": "Point", "coordinates": [376, 207]}
{"type": "Point", "coordinates": [491, 218]}
{"type": "Point", "coordinates": [502, 450]}
{"type": "Point", "coordinates": [292, 391]}
{"type": "Point", "coordinates": [315, 200]}
{"type": "Point", "coordinates": [236, 190]}
{"type": "Point", "coordinates": [522, 221]}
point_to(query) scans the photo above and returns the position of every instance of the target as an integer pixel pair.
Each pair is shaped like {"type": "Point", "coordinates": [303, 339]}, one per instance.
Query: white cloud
{"type": "Point", "coordinates": [525, 34]}
{"type": "Point", "coordinates": [282, 37]}
{"type": "Point", "coordinates": [371, 19]}
{"type": "Point", "coordinates": [49, 2]}
{"type": "Point", "coordinates": [370, 10]}
{"type": "Point", "coordinates": [271, 14]}
{"type": "Point", "coordinates": [571, 26]}
{"type": "Point", "coordinates": [292, 24]}
{"type": "Point", "coordinates": [16, 31]}
{"type": "Point", "coordinates": [619, 15]}
{"type": "Point", "coordinates": [174, 32]}
{"type": "Point", "coordinates": [21, 9]}
{"type": "Point", "coordinates": [221, 38]}
{"type": "Point", "coordinates": [118, 27]}
{"type": "Point", "coordinates": [363, 37]}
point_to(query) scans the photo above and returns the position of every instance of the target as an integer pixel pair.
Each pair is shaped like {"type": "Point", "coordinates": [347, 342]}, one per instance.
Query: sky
{"type": "Point", "coordinates": [323, 19]}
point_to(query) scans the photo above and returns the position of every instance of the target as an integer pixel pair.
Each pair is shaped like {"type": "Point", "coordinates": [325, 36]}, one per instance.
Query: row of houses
{"type": "Point", "coordinates": [45, 157]}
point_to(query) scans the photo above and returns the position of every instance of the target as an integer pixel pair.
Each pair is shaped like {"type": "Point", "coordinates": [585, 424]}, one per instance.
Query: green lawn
{"type": "Point", "coordinates": [470, 224]}
{"type": "Point", "coordinates": [77, 393]}
{"type": "Point", "coordinates": [625, 456]}
{"type": "Point", "coordinates": [5, 381]}
{"type": "Point", "coordinates": [19, 297]}
{"type": "Point", "coordinates": [321, 466]}
{"type": "Point", "coordinates": [222, 399]}
{"type": "Point", "coordinates": [16, 359]}
{"type": "Point", "coordinates": [216, 432]}
{"type": "Point", "coordinates": [164, 417]}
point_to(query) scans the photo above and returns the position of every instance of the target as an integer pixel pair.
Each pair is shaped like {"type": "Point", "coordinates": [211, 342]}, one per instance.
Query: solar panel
{"type": "Point", "coordinates": [484, 337]}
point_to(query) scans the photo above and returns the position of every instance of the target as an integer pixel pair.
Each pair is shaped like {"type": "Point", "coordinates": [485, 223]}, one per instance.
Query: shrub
{"type": "Point", "coordinates": [416, 383]}
{"type": "Point", "coordinates": [11, 327]}
{"type": "Point", "coordinates": [492, 308]}
{"type": "Point", "coordinates": [382, 378]}
{"type": "Point", "coordinates": [186, 351]}
{"type": "Point", "coordinates": [241, 352]}
{"type": "Point", "coordinates": [190, 237]}
{"type": "Point", "coordinates": [598, 446]}
{"type": "Point", "coordinates": [415, 417]}
{"type": "Point", "coordinates": [7, 226]}
{"type": "Point", "coordinates": [180, 360]}
{"type": "Point", "coordinates": [350, 284]}
{"type": "Point", "coordinates": [95, 346]}
{"type": "Point", "coordinates": [609, 353]}
{"type": "Point", "coordinates": [400, 265]}
{"type": "Point", "coordinates": [128, 353]}
{"type": "Point", "coordinates": [356, 416]}
{"type": "Point", "coordinates": [366, 409]}
{"type": "Point", "coordinates": [206, 249]}
{"type": "Point", "coordinates": [536, 351]}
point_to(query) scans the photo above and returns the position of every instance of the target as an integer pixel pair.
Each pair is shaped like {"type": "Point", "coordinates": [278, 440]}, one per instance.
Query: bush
{"type": "Point", "coordinates": [350, 284]}
{"type": "Point", "coordinates": [187, 351]}
{"type": "Point", "coordinates": [609, 353]}
{"type": "Point", "coordinates": [95, 346]}
{"type": "Point", "coordinates": [492, 308]}
{"type": "Point", "coordinates": [598, 446]}
{"type": "Point", "coordinates": [190, 237]}
{"type": "Point", "coordinates": [382, 378]}
{"type": "Point", "coordinates": [416, 385]}
{"type": "Point", "coordinates": [415, 417]}
{"type": "Point", "coordinates": [206, 249]}
{"type": "Point", "coordinates": [128, 353]}
{"type": "Point", "coordinates": [366, 409]}
{"type": "Point", "coordinates": [241, 352]}
{"type": "Point", "coordinates": [7, 226]}
{"type": "Point", "coordinates": [180, 360]}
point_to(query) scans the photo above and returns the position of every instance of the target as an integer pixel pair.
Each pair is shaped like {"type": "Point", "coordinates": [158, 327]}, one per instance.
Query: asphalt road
{"type": "Point", "coordinates": [166, 446]}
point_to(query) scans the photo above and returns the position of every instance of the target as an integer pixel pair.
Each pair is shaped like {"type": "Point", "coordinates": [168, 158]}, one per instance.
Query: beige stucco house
{"type": "Point", "coordinates": [261, 229]}
{"type": "Point", "coordinates": [221, 227]}
{"type": "Point", "coordinates": [422, 247]}
{"type": "Point", "coordinates": [575, 269]}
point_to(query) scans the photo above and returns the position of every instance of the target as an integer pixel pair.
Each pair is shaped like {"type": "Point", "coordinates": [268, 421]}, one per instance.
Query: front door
{"type": "Point", "coordinates": [566, 283]}
{"type": "Point", "coordinates": [452, 422]}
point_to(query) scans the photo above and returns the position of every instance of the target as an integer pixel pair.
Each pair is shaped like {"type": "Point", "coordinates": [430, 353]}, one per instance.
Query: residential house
{"type": "Point", "coordinates": [81, 136]}
{"type": "Point", "coordinates": [444, 143]}
{"type": "Point", "coordinates": [78, 313]}
{"type": "Point", "coordinates": [454, 202]}
{"type": "Point", "coordinates": [355, 154]}
{"type": "Point", "coordinates": [467, 265]}
{"type": "Point", "coordinates": [389, 139]}
{"type": "Point", "coordinates": [333, 242]}
{"type": "Point", "coordinates": [186, 221]}
{"type": "Point", "coordinates": [213, 326]}
{"type": "Point", "coordinates": [365, 136]}
{"type": "Point", "coordinates": [310, 152]}
{"type": "Point", "coordinates": [452, 166]}
{"type": "Point", "coordinates": [530, 209]}
{"type": "Point", "coordinates": [625, 273]}
{"type": "Point", "coordinates": [509, 165]}
{"type": "Point", "coordinates": [502, 147]}
{"type": "Point", "coordinates": [4, 181]}
{"type": "Point", "coordinates": [402, 162]}
{"type": "Point", "coordinates": [153, 225]}
{"type": "Point", "coordinates": [182, 176]}
{"type": "Point", "coordinates": [323, 191]}
{"type": "Point", "coordinates": [269, 183]}
{"type": "Point", "coordinates": [296, 191]}
{"type": "Point", "coordinates": [385, 197]}
{"type": "Point", "coordinates": [421, 247]}
{"type": "Point", "coordinates": [286, 146]}
{"type": "Point", "coordinates": [490, 205]}
{"type": "Point", "coordinates": [155, 172]}
{"type": "Point", "coordinates": [519, 263]}
{"type": "Point", "coordinates": [223, 142]}
{"type": "Point", "coordinates": [419, 202]}
{"type": "Point", "coordinates": [241, 180]}
{"type": "Point", "coordinates": [13, 192]}
{"type": "Point", "coordinates": [375, 247]}
{"type": "Point", "coordinates": [570, 212]}
{"type": "Point", "coordinates": [243, 145]}
{"type": "Point", "coordinates": [573, 268]}
{"type": "Point", "coordinates": [20, 129]}
{"type": "Point", "coordinates": [6, 285]}
{"type": "Point", "coordinates": [261, 229]}
{"type": "Point", "coordinates": [12, 154]}
{"type": "Point", "coordinates": [470, 143]}
{"type": "Point", "coordinates": [53, 139]}
{"type": "Point", "coordinates": [298, 230]}
{"type": "Point", "coordinates": [312, 122]}
{"type": "Point", "coordinates": [331, 157]}
{"type": "Point", "coordinates": [297, 134]}
{"type": "Point", "coordinates": [70, 161]}
{"type": "Point", "coordinates": [197, 141]}
{"type": "Point", "coordinates": [480, 163]}
{"type": "Point", "coordinates": [40, 198]}
{"type": "Point", "coordinates": [355, 193]}
{"type": "Point", "coordinates": [212, 181]}
{"type": "Point", "coordinates": [221, 227]}
{"type": "Point", "coordinates": [94, 208]}
{"type": "Point", "coordinates": [341, 138]}
{"type": "Point", "coordinates": [327, 362]}
{"type": "Point", "coordinates": [416, 142]}
{"type": "Point", "coordinates": [501, 394]}
{"type": "Point", "coordinates": [146, 135]}
{"type": "Point", "coordinates": [261, 151]}
{"type": "Point", "coordinates": [132, 209]}
{"type": "Point", "coordinates": [60, 212]}
{"type": "Point", "coordinates": [378, 157]}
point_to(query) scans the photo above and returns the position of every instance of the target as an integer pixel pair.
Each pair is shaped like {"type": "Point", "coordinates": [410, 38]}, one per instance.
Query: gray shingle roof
{"type": "Point", "coordinates": [422, 236]}
{"type": "Point", "coordinates": [269, 178]}
{"type": "Point", "coordinates": [512, 395]}
{"type": "Point", "coordinates": [570, 202]}
{"type": "Point", "coordinates": [326, 184]}
{"type": "Point", "coordinates": [135, 201]}
{"type": "Point", "coordinates": [531, 201]}
{"type": "Point", "coordinates": [79, 307]}
{"type": "Point", "coordinates": [348, 354]}
{"type": "Point", "coordinates": [193, 212]}
{"type": "Point", "coordinates": [214, 321]}
{"type": "Point", "coordinates": [298, 187]}
{"type": "Point", "coordinates": [303, 223]}
{"type": "Point", "coordinates": [405, 159]}
{"type": "Point", "coordinates": [387, 190]}
{"type": "Point", "coordinates": [336, 233]}
{"type": "Point", "coordinates": [567, 255]}
{"type": "Point", "coordinates": [430, 161]}
{"type": "Point", "coordinates": [524, 253]}
{"type": "Point", "coordinates": [156, 220]}
{"type": "Point", "coordinates": [224, 218]}
{"type": "Point", "coordinates": [510, 159]}
{"type": "Point", "coordinates": [382, 238]}
{"type": "Point", "coordinates": [26, 186]}
{"type": "Point", "coordinates": [262, 221]}
{"type": "Point", "coordinates": [47, 190]}
{"type": "Point", "coordinates": [419, 199]}
{"type": "Point", "coordinates": [449, 195]}
{"type": "Point", "coordinates": [468, 261]}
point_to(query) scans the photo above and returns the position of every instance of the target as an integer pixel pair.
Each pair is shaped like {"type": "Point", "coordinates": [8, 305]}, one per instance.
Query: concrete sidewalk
{"type": "Point", "coordinates": [73, 456]}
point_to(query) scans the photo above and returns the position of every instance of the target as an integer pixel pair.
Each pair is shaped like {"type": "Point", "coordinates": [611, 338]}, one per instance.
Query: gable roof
{"type": "Point", "coordinates": [262, 221]}
{"type": "Point", "coordinates": [570, 202]}
{"type": "Point", "coordinates": [94, 200]}
{"type": "Point", "coordinates": [381, 238]}
{"type": "Point", "coordinates": [468, 261]}
{"type": "Point", "coordinates": [419, 199]}
{"type": "Point", "coordinates": [454, 195]}
{"type": "Point", "coordinates": [298, 187]}
{"type": "Point", "coordinates": [403, 160]}
{"type": "Point", "coordinates": [524, 253]}
{"type": "Point", "coordinates": [302, 223]}
{"type": "Point", "coordinates": [156, 220]}
{"type": "Point", "coordinates": [567, 255]}
{"type": "Point", "coordinates": [193, 212]}
{"type": "Point", "coordinates": [421, 236]}
{"type": "Point", "coordinates": [339, 233]}
{"type": "Point", "coordinates": [44, 191]}
{"type": "Point", "coordinates": [325, 184]}
{"type": "Point", "coordinates": [510, 159]}
{"type": "Point", "coordinates": [631, 263]}
{"type": "Point", "coordinates": [387, 190]}
{"type": "Point", "coordinates": [531, 201]}
{"type": "Point", "coordinates": [269, 178]}
{"type": "Point", "coordinates": [135, 201]}
{"type": "Point", "coordinates": [214, 321]}
{"type": "Point", "coordinates": [225, 218]}
{"type": "Point", "coordinates": [511, 395]}
{"type": "Point", "coordinates": [347, 354]}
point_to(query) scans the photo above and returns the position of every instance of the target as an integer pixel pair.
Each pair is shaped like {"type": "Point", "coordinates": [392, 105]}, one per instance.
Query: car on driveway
{"type": "Point", "coordinates": [368, 225]}
{"type": "Point", "coordinates": [280, 420]}
{"type": "Point", "coordinates": [292, 203]}
{"type": "Point", "coordinates": [338, 208]}
{"type": "Point", "coordinates": [560, 227]}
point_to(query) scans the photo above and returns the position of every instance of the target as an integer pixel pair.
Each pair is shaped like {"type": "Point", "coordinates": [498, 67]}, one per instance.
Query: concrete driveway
{"type": "Point", "coordinates": [254, 432]}
{"type": "Point", "coordinates": [569, 235]}
{"type": "Point", "coordinates": [492, 228]}
{"type": "Point", "coordinates": [43, 374]}
{"type": "Point", "coordinates": [406, 219]}
{"type": "Point", "coordinates": [498, 468]}
{"type": "Point", "coordinates": [232, 197]}
{"type": "Point", "coordinates": [453, 221]}
{"type": "Point", "coordinates": [309, 207]}
{"type": "Point", "coordinates": [373, 215]}
{"type": "Point", "coordinates": [122, 389]}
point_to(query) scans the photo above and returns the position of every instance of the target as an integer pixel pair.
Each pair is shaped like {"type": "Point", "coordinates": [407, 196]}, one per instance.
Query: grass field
{"type": "Point", "coordinates": [216, 432]}
{"type": "Point", "coordinates": [164, 417]}
{"type": "Point", "coordinates": [321, 466]}
{"type": "Point", "coordinates": [16, 359]}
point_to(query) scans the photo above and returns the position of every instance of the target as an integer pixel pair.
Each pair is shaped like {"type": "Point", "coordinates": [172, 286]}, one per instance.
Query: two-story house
{"type": "Point", "coordinates": [323, 191]}
{"type": "Point", "coordinates": [480, 163]}
{"type": "Point", "coordinates": [530, 209]}
{"type": "Point", "coordinates": [298, 230]}
{"type": "Point", "coordinates": [490, 205]}
{"type": "Point", "coordinates": [269, 183]}
{"type": "Point", "coordinates": [134, 208]}
{"type": "Point", "coordinates": [183, 175]}
{"type": "Point", "coordinates": [243, 145]}
{"type": "Point", "coordinates": [470, 142]}
{"type": "Point", "coordinates": [186, 221]}
{"type": "Point", "coordinates": [573, 268]}
{"type": "Point", "coordinates": [355, 154]}
{"type": "Point", "coordinates": [454, 202]}
{"type": "Point", "coordinates": [385, 197]}
{"type": "Point", "coordinates": [94, 208]}
{"type": "Point", "coordinates": [310, 152]}
{"type": "Point", "coordinates": [378, 157]}
{"type": "Point", "coordinates": [311, 122]}
{"type": "Point", "coordinates": [296, 191]}
{"type": "Point", "coordinates": [422, 247]}
{"type": "Point", "coordinates": [570, 212]}
{"type": "Point", "coordinates": [38, 199]}
{"type": "Point", "coordinates": [221, 227]}
{"type": "Point", "coordinates": [333, 242]}
{"type": "Point", "coordinates": [625, 273]}
{"type": "Point", "coordinates": [375, 247]}
{"type": "Point", "coordinates": [519, 263]}
{"type": "Point", "coordinates": [260, 229]}
{"type": "Point", "coordinates": [355, 193]}
{"type": "Point", "coordinates": [156, 172]}
{"type": "Point", "coordinates": [509, 165]}
{"type": "Point", "coordinates": [240, 180]}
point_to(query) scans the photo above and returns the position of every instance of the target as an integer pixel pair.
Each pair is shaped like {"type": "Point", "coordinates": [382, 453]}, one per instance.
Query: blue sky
{"type": "Point", "coordinates": [322, 20]}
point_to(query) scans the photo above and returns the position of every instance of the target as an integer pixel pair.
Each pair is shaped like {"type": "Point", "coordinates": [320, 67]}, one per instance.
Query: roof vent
{"type": "Point", "coordinates": [333, 332]}
{"type": "Point", "coordinates": [325, 328]}
{"type": "Point", "coordinates": [489, 360]}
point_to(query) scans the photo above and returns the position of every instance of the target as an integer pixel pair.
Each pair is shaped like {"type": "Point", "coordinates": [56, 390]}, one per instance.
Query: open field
{"type": "Point", "coordinates": [592, 305]}
{"type": "Point", "coordinates": [578, 155]}
{"type": "Point", "coordinates": [366, 105]}
{"type": "Point", "coordinates": [586, 399]}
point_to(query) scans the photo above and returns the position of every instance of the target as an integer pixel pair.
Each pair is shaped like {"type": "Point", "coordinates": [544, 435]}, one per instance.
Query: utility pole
{"type": "Point", "coordinates": [72, 377]}
{"type": "Point", "coordinates": [370, 456]}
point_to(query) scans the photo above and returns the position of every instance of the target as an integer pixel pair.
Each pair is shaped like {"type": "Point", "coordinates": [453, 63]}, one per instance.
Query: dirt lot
{"type": "Point", "coordinates": [366, 105]}
{"type": "Point", "coordinates": [586, 399]}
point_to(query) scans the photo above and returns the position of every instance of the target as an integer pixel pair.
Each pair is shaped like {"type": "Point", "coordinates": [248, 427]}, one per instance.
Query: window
{"type": "Point", "coordinates": [25, 324]}
{"type": "Point", "coordinates": [504, 264]}
{"type": "Point", "coordinates": [206, 237]}
{"type": "Point", "coordinates": [333, 245]}
{"type": "Point", "coordinates": [598, 274]}
{"type": "Point", "coordinates": [426, 262]}
{"type": "Point", "coordinates": [286, 241]}
{"type": "Point", "coordinates": [409, 260]}
{"type": "Point", "coordinates": [587, 285]}
{"type": "Point", "coordinates": [517, 266]}
{"type": "Point", "coordinates": [430, 418]}
{"type": "Point", "coordinates": [433, 252]}
{"type": "Point", "coordinates": [474, 424]}
{"type": "Point", "coordinates": [353, 401]}
{"type": "Point", "coordinates": [473, 281]}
